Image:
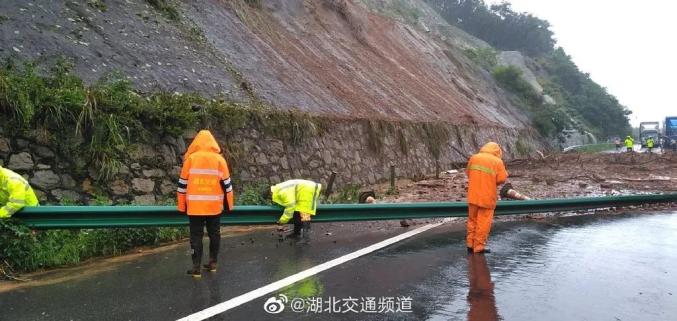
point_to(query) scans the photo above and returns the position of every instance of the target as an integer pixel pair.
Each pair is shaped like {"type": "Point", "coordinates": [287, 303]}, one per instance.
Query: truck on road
{"type": "Point", "coordinates": [648, 129]}
{"type": "Point", "coordinates": [670, 132]}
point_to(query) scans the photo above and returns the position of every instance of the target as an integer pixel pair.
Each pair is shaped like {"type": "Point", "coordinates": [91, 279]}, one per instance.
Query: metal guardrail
{"type": "Point", "coordinates": [74, 217]}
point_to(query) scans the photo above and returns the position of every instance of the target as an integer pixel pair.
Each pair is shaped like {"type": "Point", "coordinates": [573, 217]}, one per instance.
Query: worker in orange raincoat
{"type": "Point", "coordinates": [485, 171]}
{"type": "Point", "coordinates": [204, 191]}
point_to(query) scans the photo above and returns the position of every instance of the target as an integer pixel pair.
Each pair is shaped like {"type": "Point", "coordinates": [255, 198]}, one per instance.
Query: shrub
{"type": "Point", "coordinates": [485, 57]}
{"type": "Point", "coordinates": [24, 250]}
{"type": "Point", "coordinates": [510, 78]}
{"type": "Point", "coordinates": [166, 8]}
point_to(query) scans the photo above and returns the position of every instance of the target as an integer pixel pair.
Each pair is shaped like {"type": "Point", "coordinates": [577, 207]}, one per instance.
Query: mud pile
{"type": "Point", "coordinates": [558, 176]}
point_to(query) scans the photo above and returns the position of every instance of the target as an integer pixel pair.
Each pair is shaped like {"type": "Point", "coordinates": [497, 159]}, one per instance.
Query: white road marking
{"type": "Point", "coordinates": [255, 294]}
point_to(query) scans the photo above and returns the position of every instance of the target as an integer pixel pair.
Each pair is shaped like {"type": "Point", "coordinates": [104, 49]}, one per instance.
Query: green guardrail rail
{"type": "Point", "coordinates": [73, 217]}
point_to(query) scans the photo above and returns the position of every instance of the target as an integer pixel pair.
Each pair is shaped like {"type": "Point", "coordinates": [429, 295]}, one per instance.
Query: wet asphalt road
{"type": "Point", "coordinates": [577, 268]}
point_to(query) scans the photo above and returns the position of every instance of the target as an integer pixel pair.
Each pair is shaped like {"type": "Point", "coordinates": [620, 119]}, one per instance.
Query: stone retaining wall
{"type": "Point", "coordinates": [359, 151]}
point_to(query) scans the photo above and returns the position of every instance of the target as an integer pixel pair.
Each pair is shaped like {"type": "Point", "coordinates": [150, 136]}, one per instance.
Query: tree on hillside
{"type": "Point", "coordinates": [599, 109]}
{"type": "Point", "coordinates": [499, 25]}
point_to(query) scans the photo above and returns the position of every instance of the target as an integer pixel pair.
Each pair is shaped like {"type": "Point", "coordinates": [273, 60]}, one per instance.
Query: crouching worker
{"type": "Point", "coordinates": [15, 193]}
{"type": "Point", "coordinates": [299, 198]}
{"type": "Point", "coordinates": [204, 191]}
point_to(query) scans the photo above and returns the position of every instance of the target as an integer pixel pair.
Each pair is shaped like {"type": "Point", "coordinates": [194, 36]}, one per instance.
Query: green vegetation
{"type": "Point", "coordinates": [101, 123]}
{"type": "Point", "coordinates": [25, 250]}
{"type": "Point", "coordinates": [581, 103]}
{"type": "Point", "coordinates": [580, 95]}
{"type": "Point", "coordinates": [498, 25]}
{"type": "Point", "coordinates": [485, 57]}
{"type": "Point", "coordinates": [252, 194]}
{"type": "Point", "coordinates": [166, 8]}
{"type": "Point", "coordinates": [522, 147]}
{"type": "Point", "coordinates": [346, 195]}
{"type": "Point", "coordinates": [510, 78]}
{"type": "Point", "coordinates": [392, 191]}
{"type": "Point", "coordinates": [402, 9]}
{"type": "Point", "coordinates": [547, 119]}
{"type": "Point", "coordinates": [98, 5]}
{"type": "Point", "coordinates": [254, 3]}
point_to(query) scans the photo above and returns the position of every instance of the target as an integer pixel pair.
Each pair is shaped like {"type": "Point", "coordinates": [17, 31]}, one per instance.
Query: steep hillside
{"type": "Point", "coordinates": [328, 57]}
{"type": "Point", "coordinates": [297, 88]}
{"type": "Point", "coordinates": [543, 78]}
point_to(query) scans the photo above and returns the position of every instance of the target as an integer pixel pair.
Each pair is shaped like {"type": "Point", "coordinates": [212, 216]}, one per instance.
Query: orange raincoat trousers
{"type": "Point", "coordinates": [485, 171]}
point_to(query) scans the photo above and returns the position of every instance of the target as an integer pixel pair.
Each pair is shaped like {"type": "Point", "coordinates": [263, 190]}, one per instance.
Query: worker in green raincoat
{"type": "Point", "coordinates": [299, 198]}
{"type": "Point", "coordinates": [15, 193]}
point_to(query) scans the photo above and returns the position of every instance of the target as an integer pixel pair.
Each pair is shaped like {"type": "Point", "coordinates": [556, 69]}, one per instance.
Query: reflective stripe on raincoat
{"type": "Point", "coordinates": [485, 171]}
{"type": "Point", "coordinates": [204, 185]}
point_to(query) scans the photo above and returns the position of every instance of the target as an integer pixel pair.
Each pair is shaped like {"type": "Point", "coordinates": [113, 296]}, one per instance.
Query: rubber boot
{"type": "Point", "coordinates": [211, 266]}
{"type": "Point", "coordinates": [305, 232]}
{"type": "Point", "coordinates": [195, 272]}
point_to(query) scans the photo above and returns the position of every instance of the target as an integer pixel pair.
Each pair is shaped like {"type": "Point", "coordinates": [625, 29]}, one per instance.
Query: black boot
{"type": "Point", "coordinates": [211, 266]}
{"type": "Point", "coordinates": [469, 250]}
{"type": "Point", "coordinates": [305, 232]}
{"type": "Point", "coordinates": [195, 272]}
{"type": "Point", "coordinates": [483, 251]}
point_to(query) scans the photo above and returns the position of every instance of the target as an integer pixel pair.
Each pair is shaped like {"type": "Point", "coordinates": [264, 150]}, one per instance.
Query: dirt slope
{"type": "Point", "coordinates": [324, 56]}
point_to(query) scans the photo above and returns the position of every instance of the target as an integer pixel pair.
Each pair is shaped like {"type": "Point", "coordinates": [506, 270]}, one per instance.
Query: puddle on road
{"type": "Point", "coordinates": [621, 268]}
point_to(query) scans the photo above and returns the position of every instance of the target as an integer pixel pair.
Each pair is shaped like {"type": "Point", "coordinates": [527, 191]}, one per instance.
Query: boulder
{"type": "Point", "coordinates": [143, 185]}
{"type": "Point", "coordinates": [175, 172]}
{"type": "Point", "coordinates": [155, 172]}
{"type": "Point", "coordinates": [119, 187]}
{"type": "Point", "coordinates": [44, 152]}
{"type": "Point", "coordinates": [148, 199]}
{"type": "Point", "coordinates": [45, 180]}
{"type": "Point", "coordinates": [42, 196]}
{"type": "Point", "coordinates": [167, 187]}
{"type": "Point", "coordinates": [87, 186]}
{"type": "Point", "coordinates": [66, 196]}
{"type": "Point", "coordinates": [43, 166]}
{"type": "Point", "coordinates": [67, 181]}
{"type": "Point", "coordinates": [262, 159]}
{"type": "Point", "coordinates": [123, 170]}
{"type": "Point", "coordinates": [326, 157]}
{"type": "Point", "coordinates": [141, 151]}
{"type": "Point", "coordinates": [135, 166]}
{"type": "Point", "coordinates": [315, 163]}
{"type": "Point", "coordinates": [22, 143]}
{"type": "Point", "coordinates": [21, 161]}
{"type": "Point", "coordinates": [4, 145]}
{"type": "Point", "coordinates": [168, 155]}
{"type": "Point", "coordinates": [284, 163]}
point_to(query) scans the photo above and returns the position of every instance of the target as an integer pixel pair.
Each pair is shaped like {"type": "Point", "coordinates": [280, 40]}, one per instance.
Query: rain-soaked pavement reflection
{"type": "Point", "coordinates": [585, 268]}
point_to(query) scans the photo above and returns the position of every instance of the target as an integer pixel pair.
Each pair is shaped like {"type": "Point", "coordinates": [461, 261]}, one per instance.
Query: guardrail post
{"type": "Point", "coordinates": [330, 184]}
{"type": "Point", "coordinates": [392, 177]}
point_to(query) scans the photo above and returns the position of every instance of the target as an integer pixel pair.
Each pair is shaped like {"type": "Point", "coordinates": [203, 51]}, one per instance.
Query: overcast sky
{"type": "Point", "coordinates": [629, 47]}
